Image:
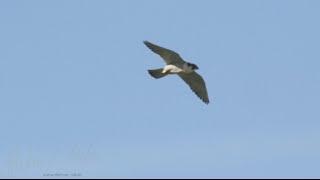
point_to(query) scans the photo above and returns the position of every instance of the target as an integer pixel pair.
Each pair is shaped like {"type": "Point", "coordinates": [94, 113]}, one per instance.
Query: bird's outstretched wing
{"type": "Point", "coordinates": [169, 56]}
{"type": "Point", "coordinates": [197, 85]}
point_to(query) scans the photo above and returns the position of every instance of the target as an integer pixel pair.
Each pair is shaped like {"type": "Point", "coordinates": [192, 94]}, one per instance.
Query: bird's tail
{"type": "Point", "coordinates": [157, 73]}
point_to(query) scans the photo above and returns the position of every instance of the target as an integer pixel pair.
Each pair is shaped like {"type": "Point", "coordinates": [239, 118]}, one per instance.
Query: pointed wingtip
{"type": "Point", "coordinates": [206, 101]}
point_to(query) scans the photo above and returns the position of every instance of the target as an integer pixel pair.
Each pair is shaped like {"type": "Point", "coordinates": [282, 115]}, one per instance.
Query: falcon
{"type": "Point", "coordinates": [176, 65]}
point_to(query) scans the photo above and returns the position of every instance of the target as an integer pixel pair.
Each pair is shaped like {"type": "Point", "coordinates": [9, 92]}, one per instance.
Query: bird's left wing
{"type": "Point", "coordinates": [169, 56]}
{"type": "Point", "coordinates": [197, 85]}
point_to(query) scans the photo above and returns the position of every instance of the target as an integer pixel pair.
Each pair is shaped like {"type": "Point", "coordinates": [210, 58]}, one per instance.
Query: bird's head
{"type": "Point", "coordinates": [192, 66]}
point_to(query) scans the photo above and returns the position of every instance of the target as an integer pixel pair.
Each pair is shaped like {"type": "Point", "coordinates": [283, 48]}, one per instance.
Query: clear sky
{"type": "Point", "coordinates": [76, 98]}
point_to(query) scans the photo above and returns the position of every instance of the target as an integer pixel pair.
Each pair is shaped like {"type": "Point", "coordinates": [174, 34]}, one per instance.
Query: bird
{"type": "Point", "coordinates": [176, 65]}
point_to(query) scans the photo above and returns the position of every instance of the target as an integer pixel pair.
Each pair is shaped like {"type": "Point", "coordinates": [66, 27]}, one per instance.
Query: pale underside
{"type": "Point", "coordinates": [172, 69]}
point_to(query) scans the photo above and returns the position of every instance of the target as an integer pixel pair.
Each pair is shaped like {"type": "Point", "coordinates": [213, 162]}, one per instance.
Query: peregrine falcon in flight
{"type": "Point", "coordinates": [176, 65]}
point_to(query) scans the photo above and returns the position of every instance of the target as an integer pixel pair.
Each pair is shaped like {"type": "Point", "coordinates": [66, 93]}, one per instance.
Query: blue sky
{"type": "Point", "coordinates": [76, 98]}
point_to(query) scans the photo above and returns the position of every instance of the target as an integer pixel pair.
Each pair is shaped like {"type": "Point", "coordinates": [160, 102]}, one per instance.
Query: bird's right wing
{"type": "Point", "coordinates": [197, 85]}
{"type": "Point", "coordinates": [169, 56]}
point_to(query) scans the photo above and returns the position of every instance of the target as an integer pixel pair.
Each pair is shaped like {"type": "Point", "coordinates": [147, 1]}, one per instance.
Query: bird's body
{"type": "Point", "coordinates": [175, 69]}
{"type": "Point", "coordinates": [176, 65]}
{"type": "Point", "coordinates": [172, 69]}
